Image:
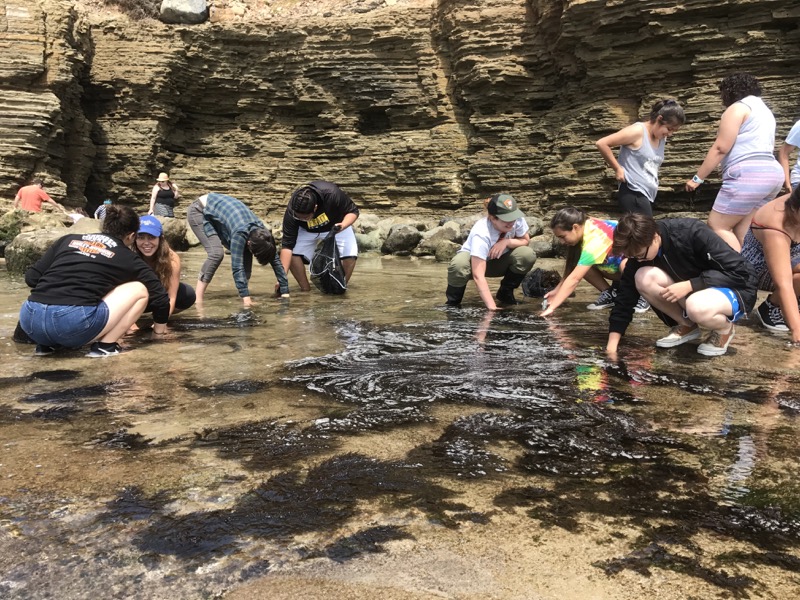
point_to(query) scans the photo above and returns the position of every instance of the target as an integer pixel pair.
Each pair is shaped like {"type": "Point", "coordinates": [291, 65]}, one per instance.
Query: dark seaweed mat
{"type": "Point", "coordinates": [591, 461]}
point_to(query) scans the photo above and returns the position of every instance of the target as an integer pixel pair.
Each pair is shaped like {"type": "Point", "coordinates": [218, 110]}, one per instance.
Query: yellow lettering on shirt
{"type": "Point", "coordinates": [320, 221]}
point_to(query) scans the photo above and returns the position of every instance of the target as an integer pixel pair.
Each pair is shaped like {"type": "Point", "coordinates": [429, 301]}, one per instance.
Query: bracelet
{"type": "Point", "coordinates": [696, 179]}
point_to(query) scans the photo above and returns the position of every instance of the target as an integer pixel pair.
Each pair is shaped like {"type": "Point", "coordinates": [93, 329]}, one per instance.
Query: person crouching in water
{"type": "Point", "coordinates": [589, 257]}
{"type": "Point", "coordinates": [92, 287]}
{"type": "Point", "coordinates": [497, 246]}
{"type": "Point", "coordinates": [690, 276]}
{"type": "Point", "coordinates": [154, 249]}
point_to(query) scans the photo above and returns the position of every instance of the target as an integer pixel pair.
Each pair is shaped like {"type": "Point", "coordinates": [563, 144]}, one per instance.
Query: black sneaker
{"type": "Point", "coordinates": [102, 349]}
{"type": "Point", "coordinates": [604, 300]}
{"type": "Point", "coordinates": [42, 350]}
{"type": "Point", "coordinates": [771, 317]}
{"type": "Point", "coordinates": [642, 305]}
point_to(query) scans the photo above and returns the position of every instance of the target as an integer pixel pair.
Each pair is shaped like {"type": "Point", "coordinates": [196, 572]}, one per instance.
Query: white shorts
{"type": "Point", "coordinates": [307, 243]}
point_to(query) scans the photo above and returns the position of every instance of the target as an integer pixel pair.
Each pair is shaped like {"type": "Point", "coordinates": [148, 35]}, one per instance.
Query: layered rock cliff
{"type": "Point", "coordinates": [413, 106]}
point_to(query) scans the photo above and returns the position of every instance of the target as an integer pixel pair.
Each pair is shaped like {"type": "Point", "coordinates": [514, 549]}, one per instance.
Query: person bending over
{"type": "Point", "coordinates": [313, 211]}
{"type": "Point", "coordinates": [772, 246]}
{"type": "Point", "coordinates": [221, 221]}
{"type": "Point", "coordinates": [690, 276]}
{"type": "Point", "coordinates": [589, 257]}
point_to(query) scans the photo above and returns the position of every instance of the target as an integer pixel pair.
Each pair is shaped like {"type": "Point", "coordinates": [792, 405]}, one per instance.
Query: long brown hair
{"type": "Point", "coordinates": [160, 262]}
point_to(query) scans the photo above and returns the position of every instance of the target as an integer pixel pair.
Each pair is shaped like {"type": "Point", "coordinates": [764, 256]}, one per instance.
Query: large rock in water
{"type": "Point", "coordinates": [421, 107]}
{"type": "Point", "coordinates": [190, 12]}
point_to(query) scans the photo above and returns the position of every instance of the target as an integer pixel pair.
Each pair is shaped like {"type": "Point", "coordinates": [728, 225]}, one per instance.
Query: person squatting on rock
{"type": "Point", "coordinates": [751, 176]}
{"type": "Point", "coordinates": [641, 153]}
{"type": "Point", "coordinates": [163, 197]}
{"type": "Point", "coordinates": [30, 197]}
{"type": "Point", "coordinates": [690, 276]}
{"type": "Point", "coordinates": [91, 288]}
{"type": "Point", "coordinates": [497, 246]}
{"type": "Point", "coordinates": [156, 252]}
{"type": "Point", "coordinates": [589, 257]}
{"type": "Point", "coordinates": [312, 212]}
{"type": "Point", "coordinates": [221, 221]}
{"type": "Point", "coordinates": [772, 246]}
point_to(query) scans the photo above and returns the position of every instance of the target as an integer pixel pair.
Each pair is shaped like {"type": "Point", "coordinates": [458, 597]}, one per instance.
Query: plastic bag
{"type": "Point", "coordinates": [326, 268]}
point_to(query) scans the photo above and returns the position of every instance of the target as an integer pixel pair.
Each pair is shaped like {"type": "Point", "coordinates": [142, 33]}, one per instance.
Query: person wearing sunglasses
{"type": "Point", "coordinates": [688, 274]}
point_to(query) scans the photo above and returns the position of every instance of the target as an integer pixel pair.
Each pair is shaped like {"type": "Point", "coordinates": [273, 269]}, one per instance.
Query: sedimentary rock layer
{"type": "Point", "coordinates": [415, 106]}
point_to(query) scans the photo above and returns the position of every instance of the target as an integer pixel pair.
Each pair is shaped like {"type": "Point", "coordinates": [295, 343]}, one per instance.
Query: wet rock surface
{"type": "Point", "coordinates": [433, 451]}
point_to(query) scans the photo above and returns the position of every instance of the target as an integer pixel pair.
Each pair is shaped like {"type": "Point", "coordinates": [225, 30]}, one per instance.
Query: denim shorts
{"type": "Point", "coordinates": [63, 325]}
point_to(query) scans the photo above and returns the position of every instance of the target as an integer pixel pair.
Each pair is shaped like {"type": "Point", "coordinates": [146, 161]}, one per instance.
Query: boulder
{"type": "Point", "coordinates": [544, 245]}
{"type": "Point", "coordinates": [402, 239]}
{"type": "Point", "coordinates": [449, 232]}
{"type": "Point", "coordinates": [370, 242]}
{"type": "Point", "coordinates": [29, 247]}
{"type": "Point", "coordinates": [535, 224]}
{"type": "Point", "coordinates": [464, 223]}
{"type": "Point", "coordinates": [445, 251]}
{"type": "Point", "coordinates": [175, 232]}
{"type": "Point", "coordinates": [188, 12]}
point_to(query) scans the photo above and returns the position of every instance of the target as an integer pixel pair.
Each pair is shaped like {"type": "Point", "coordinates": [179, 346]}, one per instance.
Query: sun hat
{"type": "Point", "coordinates": [163, 177]}
{"type": "Point", "coordinates": [150, 225]}
{"type": "Point", "coordinates": [504, 207]}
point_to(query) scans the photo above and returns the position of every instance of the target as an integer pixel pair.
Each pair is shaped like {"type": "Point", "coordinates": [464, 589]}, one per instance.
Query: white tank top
{"type": "Point", "coordinates": [756, 138]}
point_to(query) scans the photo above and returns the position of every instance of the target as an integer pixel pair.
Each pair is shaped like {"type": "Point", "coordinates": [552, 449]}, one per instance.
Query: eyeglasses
{"type": "Point", "coordinates": [639, 257]}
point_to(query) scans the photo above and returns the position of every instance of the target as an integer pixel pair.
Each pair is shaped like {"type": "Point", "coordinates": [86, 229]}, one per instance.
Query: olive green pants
{"type": "Point", "coordinates": [519, 260]}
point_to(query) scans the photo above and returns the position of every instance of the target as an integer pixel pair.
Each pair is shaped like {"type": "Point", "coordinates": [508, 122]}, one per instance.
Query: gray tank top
{"type": "Point", "coordinates": [641, 166]}
{"type": "Point", "coordinates": [756, 137]}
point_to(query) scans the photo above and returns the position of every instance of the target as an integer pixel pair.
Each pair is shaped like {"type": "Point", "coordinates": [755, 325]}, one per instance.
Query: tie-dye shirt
{"type": "Point", "coordinates": [598, 235]}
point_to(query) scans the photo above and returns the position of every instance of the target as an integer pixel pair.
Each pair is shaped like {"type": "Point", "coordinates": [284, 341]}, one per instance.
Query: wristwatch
{"type": "Point", "coordinates": [696, 179]}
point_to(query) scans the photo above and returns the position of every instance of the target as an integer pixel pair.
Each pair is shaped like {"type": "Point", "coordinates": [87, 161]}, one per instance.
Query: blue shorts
{"type": "Point", "coordinates": [63, 325]}
{"type": "Point", "coordinates": [733, 297]}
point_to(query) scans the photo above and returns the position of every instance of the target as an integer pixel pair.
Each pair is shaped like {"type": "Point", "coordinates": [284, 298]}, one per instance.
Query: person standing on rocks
{"type": "Point", "coordinates": [220, 222]}
{"type": "Point", "coordinates": [30, 197]}
{"type": "Point", "coordinates": [745, 141]}
{"type": "Point", "coordinates": [163, 197]}
{"type": "Point", "coordinates": [641, 154]}
{"type": "Point", "coordinates": [497, 246]}
{"type": "Point", "coordinates": [690, 277]}
{"type": "Point", "coordinates": [313, 211]}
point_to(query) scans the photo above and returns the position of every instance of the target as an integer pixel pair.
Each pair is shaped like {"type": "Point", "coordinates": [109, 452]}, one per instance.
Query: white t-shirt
{"type": "Point", "coordinates": [483, 236]}
{"type": "Point", "coordinates": [793, 139]}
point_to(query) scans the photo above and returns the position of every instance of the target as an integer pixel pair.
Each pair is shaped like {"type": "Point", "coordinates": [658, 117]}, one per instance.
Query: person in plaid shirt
{"type": "Point", "coordinates": [223, 221]}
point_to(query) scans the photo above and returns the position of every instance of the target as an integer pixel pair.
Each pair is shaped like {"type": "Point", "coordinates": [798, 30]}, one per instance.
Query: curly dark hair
{"type": "Point", "coordinates": [737, 86]}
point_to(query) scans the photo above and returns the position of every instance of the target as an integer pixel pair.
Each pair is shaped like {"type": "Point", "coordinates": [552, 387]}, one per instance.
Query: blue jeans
{"type": "Point", "coordinates": [63, 325]}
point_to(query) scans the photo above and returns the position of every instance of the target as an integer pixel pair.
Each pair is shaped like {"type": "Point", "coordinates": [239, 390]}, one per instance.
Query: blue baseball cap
{"type": "Point", "coordinates": [150, 225]}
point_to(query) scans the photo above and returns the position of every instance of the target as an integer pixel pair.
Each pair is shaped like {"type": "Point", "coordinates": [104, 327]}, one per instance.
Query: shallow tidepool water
{"type": "Point", "coordinates": [380, 445]}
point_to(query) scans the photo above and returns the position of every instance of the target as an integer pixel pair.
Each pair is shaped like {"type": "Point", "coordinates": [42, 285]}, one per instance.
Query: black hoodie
{"type": "Point", "coordinates": [690, 251]}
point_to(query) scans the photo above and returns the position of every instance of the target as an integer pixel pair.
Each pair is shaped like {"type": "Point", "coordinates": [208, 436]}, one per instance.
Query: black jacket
{"type": "Point", "coordinates": [690, 251]}
{"type": "Point", "coordinates": [333, 207]}
{"type": "Point", "coordinates": [79, 270]}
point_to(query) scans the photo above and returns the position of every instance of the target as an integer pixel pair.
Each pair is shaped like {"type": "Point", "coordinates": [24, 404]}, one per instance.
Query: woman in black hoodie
{"type": "Point", "coordinates": [690, 276]}
{"type": "Point", "coordinates": [91, 288]}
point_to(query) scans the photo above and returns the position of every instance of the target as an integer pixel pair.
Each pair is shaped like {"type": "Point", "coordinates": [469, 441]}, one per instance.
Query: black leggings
{"type": "Point", "coordinates": [633, 201]}
{"type": "Point", "coordinates": [184, 299]}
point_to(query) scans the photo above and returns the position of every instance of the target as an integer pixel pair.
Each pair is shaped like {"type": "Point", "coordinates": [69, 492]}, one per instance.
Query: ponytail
{"type": "Point", "coordinates": [120, 221]}
{"type": "Point", "coordinates": [670, 111]}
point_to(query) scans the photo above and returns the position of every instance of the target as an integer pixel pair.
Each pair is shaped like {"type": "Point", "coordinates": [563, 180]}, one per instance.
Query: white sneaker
{"type": "Point", "coordinates": [716, 343]}
{"type": "Point", "coordinates": [680, 334]}
{"type": "Point", "coordinates": [606, 299]}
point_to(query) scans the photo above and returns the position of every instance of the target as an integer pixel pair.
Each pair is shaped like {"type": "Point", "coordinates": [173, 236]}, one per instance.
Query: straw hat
{"type": "Point", "coordinates": [163, 177]}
